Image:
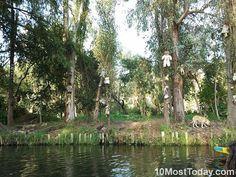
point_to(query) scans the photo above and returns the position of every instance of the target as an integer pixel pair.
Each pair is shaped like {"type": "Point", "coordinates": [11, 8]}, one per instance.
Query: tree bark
{"type": "Point", "coordinates": [230, 51]}
{"type": "Point", "coordinates": [12, 44]}
{"type": "Point", "coordinates": [166, 107]}
{"type": "Point", "coordinates": [163, 46]}
{"type": "Point", "coordinates": [196, 88]}
{"type": "Point", "coordinates": [108, 108]}
{"type": "Point", "coordinates": [215, 100]}
{"type": "Point", "coordinates": [96, 110]}
{"type": "Point", "coordinates": [167, 97]}
{"type": "Point", "coordinates": [178, 102]}
{"type": "Point", "coordinates": [70, 93]}
{"type": "Point", "coordinates": [71, 38]}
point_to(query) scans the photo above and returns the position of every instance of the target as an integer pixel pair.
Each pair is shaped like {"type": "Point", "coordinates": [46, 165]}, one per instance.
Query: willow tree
{"type": "Point", "coordinates": [72, 14]}
{"type": "Point", "coordinates": [230, 51]}
{"type": "Point", "coordinates": [105, 46]}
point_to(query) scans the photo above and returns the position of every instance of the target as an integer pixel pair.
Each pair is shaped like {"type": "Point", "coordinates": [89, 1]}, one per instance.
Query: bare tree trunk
{"type": "Point", "coordinates": [167, 97]}
{"type": "Point", "coordinates": [196, 91]}
{"type": "Point", "coordinates": [215, 100]}
{"type": "Point", "coordinates": [96, 110]}
{"type": "Point", "coordinates": [40, 112]}
{"type": "Point", "coordinates": [70, 94]}
{"type": "Point", "coordinates": [13, 33]}
{"type": "Point", "coordinates": [142, 104]}
{"type": "Point", "coordinates": [108, 108]}
{"type": "Point", "coordinates": [163, 46]}
{"type": "Point", "coordinates": [179, 113]}
{"type": "Point", "coordinates": [70, 55]}
{"type": "Point", "coordinates": [230, 50]}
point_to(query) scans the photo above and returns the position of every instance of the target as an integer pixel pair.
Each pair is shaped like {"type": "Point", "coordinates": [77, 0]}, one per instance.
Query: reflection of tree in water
{"type": "Point", "coordinates": [100, 161]}
{"type": "Point", "coordinates": [29, 165]}
{"type": "Point", "coordinates": [199, 161]}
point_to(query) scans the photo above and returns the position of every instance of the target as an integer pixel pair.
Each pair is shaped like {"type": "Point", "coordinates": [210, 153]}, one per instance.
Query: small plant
{"type": "Point", "coordinates": [165, 128]}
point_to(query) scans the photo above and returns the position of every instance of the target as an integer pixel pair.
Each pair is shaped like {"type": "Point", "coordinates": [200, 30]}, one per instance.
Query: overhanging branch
{"type": "Point", "coordinates": [188, 12]}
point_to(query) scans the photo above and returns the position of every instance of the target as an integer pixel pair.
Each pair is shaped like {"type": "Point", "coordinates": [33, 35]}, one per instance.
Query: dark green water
{"type": "Point", "coordinates": [117, 161]}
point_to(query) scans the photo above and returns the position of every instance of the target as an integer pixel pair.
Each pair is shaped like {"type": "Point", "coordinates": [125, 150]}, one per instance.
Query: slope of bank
{"type": "Point", "coordinates": [149, 132]}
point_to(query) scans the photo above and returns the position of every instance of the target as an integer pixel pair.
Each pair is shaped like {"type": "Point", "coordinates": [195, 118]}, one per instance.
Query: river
{"type": "Point", "coordinates": [100, 161]}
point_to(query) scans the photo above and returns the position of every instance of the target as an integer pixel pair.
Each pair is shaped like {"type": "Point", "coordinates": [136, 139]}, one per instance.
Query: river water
{"type": "Point", "coordinates": [99, 161]}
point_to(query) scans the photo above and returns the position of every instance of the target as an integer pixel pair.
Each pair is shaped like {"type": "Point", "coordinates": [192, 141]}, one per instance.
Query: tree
{"type": "Point", "coordinates": [13, 21]}
{"type": "Point", "coordinates": [105, 47]}
{"type": "Point", "coordinates": [230, 52]}
{"type": "Point", "coordinates": [139, 82]}
{"type": "Point", "coordinates": [174, 14]}
{"type": "Point", "coordinates": [70, 39]}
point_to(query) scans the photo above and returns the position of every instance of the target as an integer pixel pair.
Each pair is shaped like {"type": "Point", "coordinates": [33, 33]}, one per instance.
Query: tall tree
{"type": "Point", "coordinates": [105, 47]}
{"type": "Point", "coordinates": [179, 12]}
{"type": "Point", "coordinates": [22, 24]}
{"type": "Point", "coordinates": [174, 13]}
{"type": "Point", "coordinates": [12, 44]}
{"type": "Point", "coordinates": [71, 18]}
{"type": "Point", "coordinates": [230, 51]}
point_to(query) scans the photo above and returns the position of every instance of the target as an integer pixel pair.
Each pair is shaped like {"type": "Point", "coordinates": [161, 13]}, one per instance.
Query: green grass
{"type": "Point", "coordinates": [131, 116]}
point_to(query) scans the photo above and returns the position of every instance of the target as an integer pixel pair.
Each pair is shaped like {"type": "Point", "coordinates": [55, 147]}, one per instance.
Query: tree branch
{"type": "Point", "coordinates": [18, 9]}
{"type": "Point", "coordinates": [201, 10]}
{"type": "Point", "coordinates": [183, 16]}
{"type": "Point", "coordinates": [4, 51]}
{"type": "Point", "coordinates": [188, 12]}
{"type": "Point", "coordinates": [34, 15]}
{"type": "Point", "coordinates": [4, 64]}
{"type": "Point", "coordinates": [25, 74]}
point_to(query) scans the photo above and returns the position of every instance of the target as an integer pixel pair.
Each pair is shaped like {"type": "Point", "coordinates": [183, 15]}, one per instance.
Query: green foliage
{"type": "Point", "coordinates": [165, 128]}
{"type": "Point", "coordinates": [214, 72]}
{"type": "Point", "coordinates": [88, 66]}
{"type": "Point", "coordinates": [133, 117]}
{"type": "Point", "coordinates": [228, 136]}
{"type": "Point", "coordinates": [138, 81]}
{"type": "Point", "coordinates": [105, 42]}
{"type": "Point", "coordinates": [3, 112]}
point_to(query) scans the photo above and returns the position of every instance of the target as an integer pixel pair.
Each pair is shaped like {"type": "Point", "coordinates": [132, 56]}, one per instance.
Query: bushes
{"type": "Point", "coordinates": [3, 111]}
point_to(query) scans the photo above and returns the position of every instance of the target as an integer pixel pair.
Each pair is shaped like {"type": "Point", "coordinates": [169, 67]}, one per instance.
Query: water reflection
{"type": "Point", "coordinates": [96, 161]}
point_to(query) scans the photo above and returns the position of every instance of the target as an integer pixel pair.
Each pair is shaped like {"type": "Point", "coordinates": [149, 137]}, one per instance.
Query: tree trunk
{"type": "Point", "coordinates": [231, 106]}
{"type": "Point", "coordinates": [215, 100]}
{"type": "Point", "coordinates": [40, 112]}
{"type": "Point", "coordinates": [230, 50]}
{"type": "Point", "coordinates": [108, 107]}
{"type": "Point", "coordinates": [70, 55]}
{"type": "Point", "coordinates": [167, 98]}
{"type": "Point", "coordinates": [179, 113]}
{"type": "Point", "coordinates": [13, 33]}
{"type": "Point", "coordinates": [70, 94]}
{"type": "Point", "coordinates": [96, 110]}
{"type": "Point", "coordinates": [196, 88]}
{"type": "Point", "coordinates": [163, 46]}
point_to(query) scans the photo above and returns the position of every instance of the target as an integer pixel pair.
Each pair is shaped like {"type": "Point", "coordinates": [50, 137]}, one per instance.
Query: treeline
{"type": "Point", "coordinates": [47, 73]}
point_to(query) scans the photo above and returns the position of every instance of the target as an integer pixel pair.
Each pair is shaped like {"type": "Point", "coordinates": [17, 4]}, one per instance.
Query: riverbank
{"type": "Point", "coordinates": [149, 132]}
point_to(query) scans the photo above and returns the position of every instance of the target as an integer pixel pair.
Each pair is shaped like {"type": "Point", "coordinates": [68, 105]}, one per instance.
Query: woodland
{"type": "Point", "coordinates": [49, 74]}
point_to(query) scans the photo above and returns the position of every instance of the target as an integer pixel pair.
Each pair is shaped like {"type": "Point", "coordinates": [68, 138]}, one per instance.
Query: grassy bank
{"type": "Point", "coordinates": [126, 132]}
